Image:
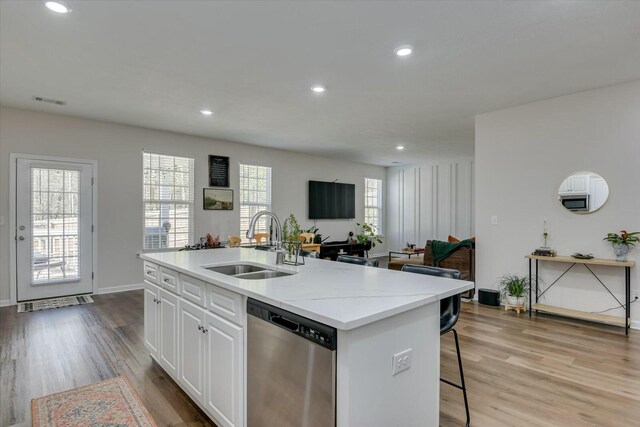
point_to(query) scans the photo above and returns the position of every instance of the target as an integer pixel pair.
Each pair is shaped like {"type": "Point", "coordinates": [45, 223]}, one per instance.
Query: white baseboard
{"type": "Point", "coordinates": [5, 302]}
{"type": "Point", "coordinates": [635, 324]}
{"type": "Point", "coordinates": [123, 288]}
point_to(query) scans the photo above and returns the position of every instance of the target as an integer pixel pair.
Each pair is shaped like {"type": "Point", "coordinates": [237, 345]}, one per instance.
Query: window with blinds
{"type": "Point", "coordinates": [168, 192]}
{"type": "Point", "coordinates": [255, 196]}
{"type": "Point", "coordinates": [373, 203]}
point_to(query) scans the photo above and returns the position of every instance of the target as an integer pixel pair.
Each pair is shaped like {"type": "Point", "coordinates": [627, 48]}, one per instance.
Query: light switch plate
{"type": "Point", "coordinates": [401, 361]}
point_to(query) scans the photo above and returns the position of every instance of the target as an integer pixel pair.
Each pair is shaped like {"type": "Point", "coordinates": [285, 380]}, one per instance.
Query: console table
{"type": "Point", "coordinates": [583, 315]}
{"type": "Point", "coordinates": [334, 249]}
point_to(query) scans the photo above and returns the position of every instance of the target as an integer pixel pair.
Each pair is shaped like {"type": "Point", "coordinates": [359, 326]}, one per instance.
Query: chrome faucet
{"type": "Point", "coordinates": [251, 233]}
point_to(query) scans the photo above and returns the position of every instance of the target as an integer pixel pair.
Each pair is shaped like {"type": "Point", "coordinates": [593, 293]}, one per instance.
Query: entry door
{"type": "Point", "coordinates": [54, 243]}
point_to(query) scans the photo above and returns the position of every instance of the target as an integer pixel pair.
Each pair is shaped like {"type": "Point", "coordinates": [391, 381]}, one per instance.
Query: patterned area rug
{"type": "Point", "coordinates": [112, 403]}
{"type": "Point", "coordinates": [53, 303]}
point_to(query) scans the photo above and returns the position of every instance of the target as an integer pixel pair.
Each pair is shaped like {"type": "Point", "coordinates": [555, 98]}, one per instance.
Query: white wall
{"type": "Point", "coordinates": [430, 201]}
{"type": "Point", "coordinates": [118, 151]}
{"type": "Point", "coordinates": [522, 156]}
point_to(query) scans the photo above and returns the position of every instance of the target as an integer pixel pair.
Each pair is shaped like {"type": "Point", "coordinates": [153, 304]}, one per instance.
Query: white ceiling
{"type": "Point", "coordinates": [157, 63]}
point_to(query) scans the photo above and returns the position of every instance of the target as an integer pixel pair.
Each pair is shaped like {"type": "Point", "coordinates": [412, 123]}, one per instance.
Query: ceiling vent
{"type": "Point", "coordinates": [49, 100]}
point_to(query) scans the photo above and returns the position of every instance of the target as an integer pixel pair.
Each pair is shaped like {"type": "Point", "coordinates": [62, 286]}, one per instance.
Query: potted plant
{"type": "Point", "coordinates": [290, 234]}
{"type": "Point", "coordinates": [514, 290]}
{"type": "Point", "coordinates": [367, 235]}
{"type": "Point", "coordinates": [621, 243]}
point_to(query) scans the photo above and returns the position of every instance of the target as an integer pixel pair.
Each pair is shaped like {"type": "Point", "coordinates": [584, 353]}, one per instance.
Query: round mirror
{"type": "Point", "coordinates": [583, 192]}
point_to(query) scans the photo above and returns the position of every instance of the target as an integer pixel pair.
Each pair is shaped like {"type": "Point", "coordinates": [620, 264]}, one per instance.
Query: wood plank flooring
{"type": "Point", "coordinates": [544, 371]}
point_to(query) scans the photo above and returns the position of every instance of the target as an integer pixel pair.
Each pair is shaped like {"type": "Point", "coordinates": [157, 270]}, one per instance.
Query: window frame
{"type": "Point", "coordinates": [245, 173]}
{"type": "Point", "coordinates": [190, 202]}
{"type": "Point", "coordinates": [378, 205]}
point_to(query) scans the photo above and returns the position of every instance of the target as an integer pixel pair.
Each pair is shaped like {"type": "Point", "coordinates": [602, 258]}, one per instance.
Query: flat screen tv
{"type": "Point", "coordinates": [331, 200]}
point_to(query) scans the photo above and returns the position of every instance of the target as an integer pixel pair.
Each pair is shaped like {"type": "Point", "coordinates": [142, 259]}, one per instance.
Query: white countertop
{"type": "Point", "coordinates": [344, 296]}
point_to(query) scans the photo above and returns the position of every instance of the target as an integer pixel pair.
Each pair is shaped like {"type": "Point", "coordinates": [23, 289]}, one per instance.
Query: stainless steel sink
{"type": "Point", "coordinates": [265, 274]}
{"type": "Point", "coordinates": [235, 269]}
{"type": "Point", "coordinates": [248, 271]}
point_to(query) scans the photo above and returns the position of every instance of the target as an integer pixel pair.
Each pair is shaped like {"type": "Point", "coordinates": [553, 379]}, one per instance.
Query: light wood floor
{"type": "Point", "coordinates": [545, 371]}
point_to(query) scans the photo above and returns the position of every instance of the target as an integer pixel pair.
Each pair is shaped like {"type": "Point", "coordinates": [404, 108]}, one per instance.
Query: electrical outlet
{"type": "Point", "coordinates": [494, 220]}
{"type": "Point", "coordinates": [401, 361]}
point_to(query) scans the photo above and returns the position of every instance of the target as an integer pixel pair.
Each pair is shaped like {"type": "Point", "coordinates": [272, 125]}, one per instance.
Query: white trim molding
{"type": "Point", "coordinates": [5, 303]}
{"type": "Point", "coordinates": [635, 324]}
{"type": "Point", "coordinates": [122, 288]}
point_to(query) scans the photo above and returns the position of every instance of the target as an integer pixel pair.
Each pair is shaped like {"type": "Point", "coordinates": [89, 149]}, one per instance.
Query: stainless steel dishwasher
{"type": "Point", "coordinates": [291, 369]}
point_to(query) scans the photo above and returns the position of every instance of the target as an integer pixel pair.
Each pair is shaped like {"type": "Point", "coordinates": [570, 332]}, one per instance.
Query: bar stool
{"type": "Point", "coordinates": [449, 315]}
{"type": "Point", "coordinates": [357, 260]}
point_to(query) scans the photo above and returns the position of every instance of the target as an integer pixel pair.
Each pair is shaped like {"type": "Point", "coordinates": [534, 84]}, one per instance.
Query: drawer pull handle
{"type": "Point", "coordinates": [199, 327]}
{"type": "Point", "coordinates": [149, 272]}
{"type": "Point", "coordinates": [155, 300]}
{"type": "Point", "coordinates": [158, 301]}
{"type": "Point", "coordinates": [166, 279]}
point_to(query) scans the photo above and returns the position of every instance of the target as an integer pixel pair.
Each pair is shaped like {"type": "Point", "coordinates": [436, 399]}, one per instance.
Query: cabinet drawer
{"type": "Point", "coordinates": [168, 279]}
{"type": "Point", "coordinates": [193, 290]}
{"type": "Point", "coordinates": [225, 304]}
{"type": "Point", "coordinates": [150, 272]}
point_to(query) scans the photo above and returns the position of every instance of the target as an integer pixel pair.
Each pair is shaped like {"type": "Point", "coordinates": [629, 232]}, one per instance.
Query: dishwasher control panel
{"type": "Point", "coordinates": [321, 334]}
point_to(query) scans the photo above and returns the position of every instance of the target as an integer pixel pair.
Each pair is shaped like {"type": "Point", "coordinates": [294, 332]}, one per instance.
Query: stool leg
{"type": "Point", "coordinates": [464, 387]}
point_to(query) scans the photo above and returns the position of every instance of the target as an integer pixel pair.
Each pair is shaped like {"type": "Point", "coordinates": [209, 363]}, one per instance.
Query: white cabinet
{"type": "Point", "coordinates": [224, 367]}
{"type": "Point", "coordinates": [192, 346]}
{"type": "Point", "coordinates": [578, 183]}
{"type": "Point", "coordinates": [168, 332]}
{"type": "Point", "coordinates": [194, 330]}
{"type": "Point", "coordinates": [193, 290]}
{"type": "Point", "coordinates": [168, 279]}
{"type": "Point", "coordinates": [161, 327]}
{"type": "Point", "coordinates": [151, 317]}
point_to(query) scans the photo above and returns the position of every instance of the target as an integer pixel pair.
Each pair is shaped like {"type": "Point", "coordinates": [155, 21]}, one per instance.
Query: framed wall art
{"type": "Point", "coordinates": [216, 199]}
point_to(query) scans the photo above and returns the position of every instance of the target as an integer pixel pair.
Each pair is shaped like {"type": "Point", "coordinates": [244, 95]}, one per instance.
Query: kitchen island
{"type": "Point", "coordinates": [196, 329]}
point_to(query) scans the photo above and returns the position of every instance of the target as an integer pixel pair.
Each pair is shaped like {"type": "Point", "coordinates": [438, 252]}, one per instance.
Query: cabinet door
{"type": "Point", "coordinates": [192, 349]}
{"type": "Point", "coordinates": [225, 371]}
{"type": "Point", "coordinates": [151, 318]}
{"type": "Point", "coordinates": [579, 183]}
{"type": "Point", "coordinates": [168, 321]}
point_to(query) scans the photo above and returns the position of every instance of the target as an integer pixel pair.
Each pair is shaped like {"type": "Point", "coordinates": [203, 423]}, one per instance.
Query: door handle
{"type": "Point", "coordinates": [21, 238]}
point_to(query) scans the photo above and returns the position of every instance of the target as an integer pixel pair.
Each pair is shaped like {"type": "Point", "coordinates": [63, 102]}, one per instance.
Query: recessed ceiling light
{"type": "Point", "coordinates": [405, 50]}
{"type": "Point", "coordinates": [318, 88]}
{"type": "Point", "coordinates": [206, 112]}
{"type": "Point", "coordinates": [399, 147]}
{"type": "Point", "coordinates": [56, 7]}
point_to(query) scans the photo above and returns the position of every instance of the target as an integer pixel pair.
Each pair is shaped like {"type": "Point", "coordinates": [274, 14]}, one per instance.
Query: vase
{"type": "Point", "coordinates": [621, 250]}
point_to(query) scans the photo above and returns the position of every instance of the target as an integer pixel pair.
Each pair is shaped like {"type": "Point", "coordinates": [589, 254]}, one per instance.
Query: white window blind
{"type": "Point", "coordinates": [373, 203]}
{"type": "Point", "coordinates": [168, 192]}
{"type": "Point", "coordinates": [255, 196]}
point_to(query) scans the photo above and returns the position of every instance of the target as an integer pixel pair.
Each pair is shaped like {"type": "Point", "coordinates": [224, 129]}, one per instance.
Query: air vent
{"type": "Point", "coordinates": [49, 100]}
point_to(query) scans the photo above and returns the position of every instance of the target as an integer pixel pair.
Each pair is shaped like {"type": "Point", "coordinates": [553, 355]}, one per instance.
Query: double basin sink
{"type": "Point", "coordinates": [248, 271]}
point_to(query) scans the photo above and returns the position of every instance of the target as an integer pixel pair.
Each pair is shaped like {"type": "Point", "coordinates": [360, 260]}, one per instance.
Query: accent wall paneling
{"type": "Point", "coordinates": [430, 202]}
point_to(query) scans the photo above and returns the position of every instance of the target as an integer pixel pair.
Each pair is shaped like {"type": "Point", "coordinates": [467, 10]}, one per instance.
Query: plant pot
{"type": "Point", "coordinates": [621, 250]}
{"type": "Point", "coordinates": [515, 301]}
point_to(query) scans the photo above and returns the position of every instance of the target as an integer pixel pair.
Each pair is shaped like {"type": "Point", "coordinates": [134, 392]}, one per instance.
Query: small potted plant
{"type": "Point", "coordinates": [621, 243]}
{"type": "Point", "coordinates": [514, 290]}
{"type": "Point", "coordinates": [291, 235]}
{"type": "Point", "coordinates": [367, 236]}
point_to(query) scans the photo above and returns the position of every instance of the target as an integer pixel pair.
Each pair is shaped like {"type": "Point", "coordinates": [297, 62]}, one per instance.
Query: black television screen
{"type": "Point", "coordinates": [331, 200]}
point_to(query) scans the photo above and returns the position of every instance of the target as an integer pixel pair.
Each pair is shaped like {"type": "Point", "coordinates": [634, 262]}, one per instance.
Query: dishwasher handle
{"type": "Point", "coordinates": [284, 322]}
